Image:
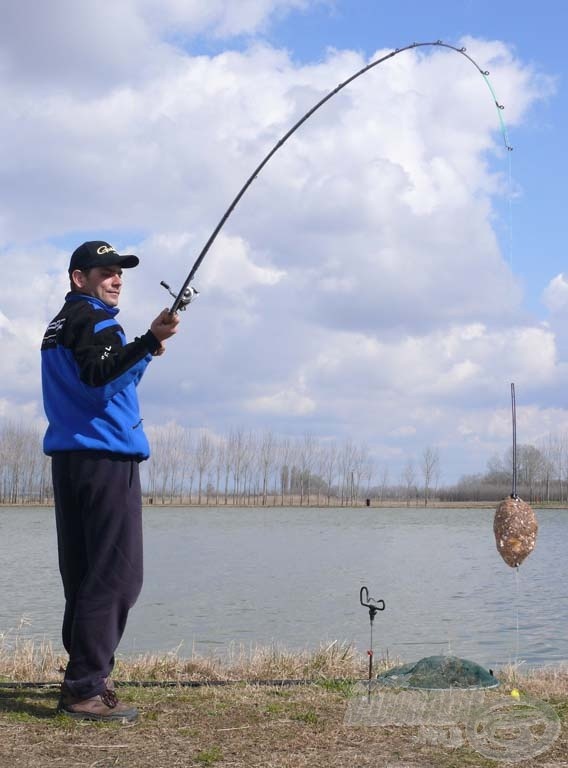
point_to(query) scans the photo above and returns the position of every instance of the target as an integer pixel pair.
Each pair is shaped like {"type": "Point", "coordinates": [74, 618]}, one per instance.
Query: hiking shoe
{"type": "Point", "coordinates": [105, 706]}
{"type": "Point", "coordinates": [64, 693]}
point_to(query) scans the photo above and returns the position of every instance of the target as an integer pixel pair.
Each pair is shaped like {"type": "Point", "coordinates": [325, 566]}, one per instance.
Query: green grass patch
{"type": "Point", "coordinates": [20, 717]}
{"type": "Point", "coordinates": [309, 716]}
{"type": "Point", "coordinates": [345, 688]}
{"type": "Point", "coordinates": [209, 756]}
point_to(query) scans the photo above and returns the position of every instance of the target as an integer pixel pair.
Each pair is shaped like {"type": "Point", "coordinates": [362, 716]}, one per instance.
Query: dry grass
{"type": "Point", "coordinates": [32, 660]}
{"type": "Point", "coordinates": [544, 682]}
{"type": "Point", "coordinates": [25, 659]}
{"type": "Point", "coordinates": [251, 664]}
{"type": "Point", "coordinates": [242, 725]}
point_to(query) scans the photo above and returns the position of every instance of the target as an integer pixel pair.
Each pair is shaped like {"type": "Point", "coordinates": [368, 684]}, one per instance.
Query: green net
{"type": "Point", "coordinates": [439, 672]}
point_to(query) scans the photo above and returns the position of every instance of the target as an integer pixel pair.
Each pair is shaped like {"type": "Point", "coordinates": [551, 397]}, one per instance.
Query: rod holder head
{"type": "Point", "coordinates": [370, 603]}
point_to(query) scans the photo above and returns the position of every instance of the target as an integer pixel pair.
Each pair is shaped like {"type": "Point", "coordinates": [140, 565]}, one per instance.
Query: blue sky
{"type": "Point", "coordinates": [536, 32]}
{"type": "Point", "coordinates": [364, 288]}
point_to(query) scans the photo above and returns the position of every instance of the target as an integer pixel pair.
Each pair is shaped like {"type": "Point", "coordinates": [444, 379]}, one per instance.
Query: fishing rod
{"type": "Point", "coordinates": [187, 292]}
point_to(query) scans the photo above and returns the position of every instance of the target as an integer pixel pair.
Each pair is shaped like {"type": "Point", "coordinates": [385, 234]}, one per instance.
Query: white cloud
{"type": "Point", "coordinates": [89, 45]}
{"type": "Point", "coordinates": [405, 430]}
{"type": "Point", "coordinates": [445, 364]}
{"type": "Point", "coordinates": [24, 413]}
{"type": "Point", "coordinates": [287, 402]}
{"type": "Point", "coordinates": [223, 18]}
{"type": "Point", "coordinates": [234, 271]}
{"type": "Point", "coordinates": [555, 298]}
{"type": "Point", "coordinates": [358, 288]}
{"type": "Point", "coordinates": [555, 295]}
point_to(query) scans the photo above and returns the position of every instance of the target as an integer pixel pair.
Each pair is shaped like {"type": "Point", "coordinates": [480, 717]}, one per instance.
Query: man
{"type": "Point", "coordinates": [96, 441]}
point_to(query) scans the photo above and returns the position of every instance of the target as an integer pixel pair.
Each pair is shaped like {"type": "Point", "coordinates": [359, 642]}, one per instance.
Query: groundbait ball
{"type": "Point", "coordinates": [515, 528]}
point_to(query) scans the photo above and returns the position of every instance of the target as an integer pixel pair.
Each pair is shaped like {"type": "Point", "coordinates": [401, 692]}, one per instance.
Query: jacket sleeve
{"type": "Point", "coordinates": [106, 363]}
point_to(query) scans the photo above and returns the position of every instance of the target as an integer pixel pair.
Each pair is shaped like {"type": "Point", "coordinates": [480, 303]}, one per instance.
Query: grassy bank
{"type": "Point", "coordinates": [243, 724]}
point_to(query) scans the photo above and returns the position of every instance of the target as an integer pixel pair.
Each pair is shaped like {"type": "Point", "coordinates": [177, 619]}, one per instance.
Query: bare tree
{"type": "Point", "coordinates": [346, 461]}
{"type": "Point", "coordinates": [227, 464]}
{"type": "Point", "coordinates": [360, 456]}
{"type": "Point", "coordinates": [203, 458]}
{"type": "Point", "coordinates": [13, 454]}
{"type": "Point", "coordinates": [22, 462]}
{"type": "Point", "coordinates": [329, 467]}
{"type": "Point", "coordinates": [368, 472]}
{"type": "Point", "coordinates": [384, 482]}
{"type": "Point", "coordinates": [236, 448]}
{"type": "Point", "coordinates": [409, 479]}
{"type": "Point", "coordinates": [284, 459]}
{"type": "Point", "coordinates": [319, 469]}
{"type": "Point", "coordinates": [167, 466]}
{"type": "Point", "coordinates": [267, 460]}
{"type": "Point", "coordinates": [531, 469]}
{"type": "Point", "coordinates": [247, 466]}
{"type": "Point", "coordinates": [306, 455]}
{"type": "Point", "coordinates": [430, 470]}
{"type": "Point", "coordinates": [219, 463]}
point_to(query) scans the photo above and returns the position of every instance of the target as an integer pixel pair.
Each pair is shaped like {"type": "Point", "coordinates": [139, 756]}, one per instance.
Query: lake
{"type": "Point", "coordinates": [223, 575]}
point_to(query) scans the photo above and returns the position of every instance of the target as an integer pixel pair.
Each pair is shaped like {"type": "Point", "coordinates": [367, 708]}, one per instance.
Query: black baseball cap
{"type": "Point", "coordinates": [97, 253]}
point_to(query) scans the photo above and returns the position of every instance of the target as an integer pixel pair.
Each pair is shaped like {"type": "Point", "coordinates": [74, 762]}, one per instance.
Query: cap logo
{"type": "Point", "coordinates": [105, 249]}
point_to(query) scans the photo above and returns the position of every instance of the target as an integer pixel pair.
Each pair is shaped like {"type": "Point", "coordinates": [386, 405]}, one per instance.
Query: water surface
{"type": "Point", "coordinates": [222, 575]}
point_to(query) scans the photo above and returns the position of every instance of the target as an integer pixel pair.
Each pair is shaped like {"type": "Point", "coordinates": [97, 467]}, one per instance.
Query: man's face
{"type": "Point", "coordinates": [103, 283]}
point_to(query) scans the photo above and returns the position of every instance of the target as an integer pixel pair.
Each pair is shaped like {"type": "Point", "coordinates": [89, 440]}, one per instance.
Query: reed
{"type": "Point", "coordinates": [24, 659]}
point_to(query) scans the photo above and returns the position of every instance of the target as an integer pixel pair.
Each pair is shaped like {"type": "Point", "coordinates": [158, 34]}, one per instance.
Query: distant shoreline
{"type": "Point", "coordinates": [373, 505]}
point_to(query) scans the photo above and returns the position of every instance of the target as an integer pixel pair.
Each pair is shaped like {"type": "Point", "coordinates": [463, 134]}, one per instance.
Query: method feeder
{"type": "Point", "coordinates": [187, 293]}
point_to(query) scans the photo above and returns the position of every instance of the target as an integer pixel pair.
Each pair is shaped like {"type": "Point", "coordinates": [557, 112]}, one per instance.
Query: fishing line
{"type": "Point", "coordinates": [518, 600]}
{"type": "Point", "coordinates": [509, 148]}
{"type": "Point", "coordinates": [510, 201]}
{"type": "Point", "coordinates": [514, 496]}
{"type": "Point", "coordinates": [499, 106]}
{"type": "Point", "coordinates": [514, 420]}
{"type": "Point", "coordinates": [187, 293]}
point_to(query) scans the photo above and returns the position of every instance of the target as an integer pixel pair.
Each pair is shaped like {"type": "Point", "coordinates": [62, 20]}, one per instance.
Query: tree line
{"type": "Point", "coordinates": [240, 468]}
{"type": "Point", "coordinates": [541, 471]}
{"type": "Point", "coordinates": [251, 468]}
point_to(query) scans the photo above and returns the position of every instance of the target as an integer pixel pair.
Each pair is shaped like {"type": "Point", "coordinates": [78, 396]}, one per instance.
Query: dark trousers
{"type": "Point", "coordinates": [98, 511]}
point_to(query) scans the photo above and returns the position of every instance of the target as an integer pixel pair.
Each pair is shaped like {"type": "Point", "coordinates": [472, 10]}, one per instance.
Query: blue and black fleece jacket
{"type": "Point", "coordinates": [89, 380]}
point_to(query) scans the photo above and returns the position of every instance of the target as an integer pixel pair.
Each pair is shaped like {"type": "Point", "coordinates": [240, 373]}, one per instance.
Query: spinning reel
{"type": "Point", "coordinates": [189, 294]}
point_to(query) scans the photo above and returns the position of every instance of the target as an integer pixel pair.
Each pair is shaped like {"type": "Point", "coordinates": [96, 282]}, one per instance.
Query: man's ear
{"type": "Point", "coordinates": [78, 278]}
